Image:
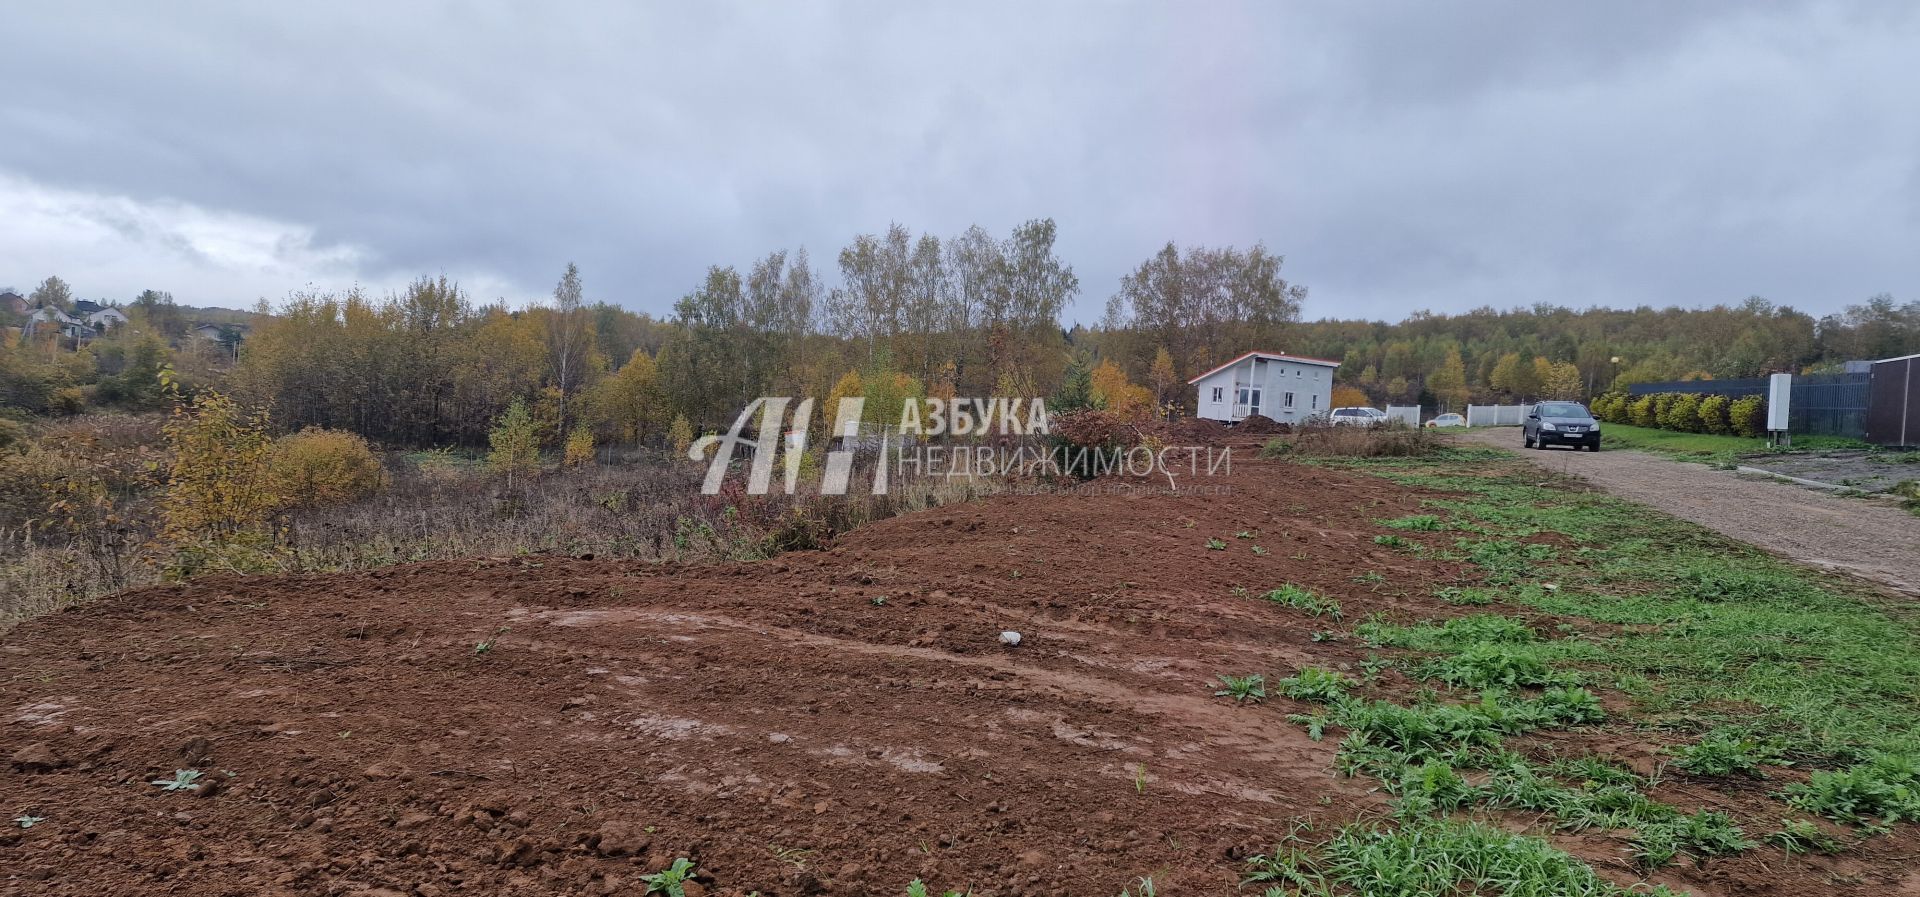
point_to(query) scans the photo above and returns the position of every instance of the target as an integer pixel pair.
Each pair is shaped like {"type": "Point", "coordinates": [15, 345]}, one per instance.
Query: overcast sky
{"type": "Point", "coordinates": [1402, 156]}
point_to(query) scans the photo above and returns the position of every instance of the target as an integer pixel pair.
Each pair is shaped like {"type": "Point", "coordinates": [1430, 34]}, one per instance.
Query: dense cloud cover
{"type": "Point", "coordinates": [1401, 155]}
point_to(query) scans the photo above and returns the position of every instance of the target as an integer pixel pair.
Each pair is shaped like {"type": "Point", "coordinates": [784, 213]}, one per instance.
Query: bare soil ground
{"type": "Point", "coordinates": [1868, 539]}
{"type": "Point", "coordinates": [777, 722]}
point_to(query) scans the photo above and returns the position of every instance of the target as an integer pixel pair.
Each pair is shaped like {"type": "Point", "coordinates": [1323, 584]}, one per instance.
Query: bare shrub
{"type": "Point", "coordinates": [56, 549]}
{"type": "Point", "coordinates": [641, 505]}
{"type": "Point", "coordinates": [75, 511]}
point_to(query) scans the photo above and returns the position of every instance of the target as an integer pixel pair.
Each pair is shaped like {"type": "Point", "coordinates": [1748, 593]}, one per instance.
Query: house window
{"type": "Point", "coordinates": [1216, 393]}
{"type": "Point", "coordinates": [1314, 402]}
{"type": "Point", "coordinates": [1286, 400]}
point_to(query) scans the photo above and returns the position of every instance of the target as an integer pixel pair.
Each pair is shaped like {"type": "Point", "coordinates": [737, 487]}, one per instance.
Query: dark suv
{"type": "Point", "coordinates": [1565, 423]}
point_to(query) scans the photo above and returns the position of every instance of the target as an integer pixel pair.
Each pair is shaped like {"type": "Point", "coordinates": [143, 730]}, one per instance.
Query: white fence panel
{"type": "Point", "coordinates": [1496, 415]}
{"type": "Point", "coordinates": [1406, 414]}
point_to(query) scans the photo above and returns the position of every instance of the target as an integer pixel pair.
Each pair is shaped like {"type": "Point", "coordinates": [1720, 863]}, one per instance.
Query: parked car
{"type": "Point", "coordinates": [1447, 420]}
{"type": "Point", "coordinates": [1356, 417]}
{"type": "Point", "coordinates": [1561, 423]}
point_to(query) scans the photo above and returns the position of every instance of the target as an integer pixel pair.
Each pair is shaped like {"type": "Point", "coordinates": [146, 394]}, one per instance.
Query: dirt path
{"type": "Point", "coordinates": [1866, 539]}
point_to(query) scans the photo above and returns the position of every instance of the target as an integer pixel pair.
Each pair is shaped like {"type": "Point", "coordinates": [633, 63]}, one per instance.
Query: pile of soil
{"type": "Point", "coordinates": [1195, 431]}
{"type": "Point", "coordinates": [1260, 425]}
{"type": "Point", "coordinates": [831, 722]}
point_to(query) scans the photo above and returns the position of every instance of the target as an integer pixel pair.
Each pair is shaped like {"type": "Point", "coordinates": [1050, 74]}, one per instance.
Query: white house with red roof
{"type": "Point", "coordinates": [1287, 388]}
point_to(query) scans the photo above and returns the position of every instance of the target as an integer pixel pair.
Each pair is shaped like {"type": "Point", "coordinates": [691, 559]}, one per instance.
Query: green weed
{"type": "Point", "coordinates": [918, 888]}
{"type": "Point", "coordinates": [1317, 685]}
{"type": "Point", "coordinates": [1706, 833]}
{"type": "Point", "coordinates": [1487, 665]}
{"type": "Point", "coordinates": [1801, 836]}
{"type": "Point", "coordinates": [1243, 688]}
{"type": "Point", "coordinates": [671, 881]}
{"type": "Point", "coordinates": [1434, 857]}
{"type": "Point", "coordinates": [182, 780]}
{"type": "Point", "coordinates": [1300, 598]}
{"type": "Point", "coordinates": [1885, 786]}
{"type": "Point", "coordinates": [1724, 754]}
{"type": "Point", "coordinates": [1428, 523]}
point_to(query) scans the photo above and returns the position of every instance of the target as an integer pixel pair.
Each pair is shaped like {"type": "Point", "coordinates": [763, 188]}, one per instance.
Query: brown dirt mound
{"type": "Point", "coordinates": [1260, 425]}
{"type": "Point", "coordinates": [1195, 431]}
{"type": "Point", "coordinates": [833, 722]}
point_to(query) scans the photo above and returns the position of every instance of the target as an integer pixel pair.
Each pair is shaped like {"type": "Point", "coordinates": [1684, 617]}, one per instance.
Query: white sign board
{"type": "Point", "coordinates": [1779, 395]}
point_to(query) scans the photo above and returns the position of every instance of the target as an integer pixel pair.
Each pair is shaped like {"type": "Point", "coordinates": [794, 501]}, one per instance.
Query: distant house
{"type": "Point", "coordinates": [13, 302]}
{"type": "Point", "coordinates": [51, 314]}
{"type": "Point", "coordinates": [46, 317]}
{"type": "Point", "coordinates": [105, 319]}
{"type": "Point", "coordinates": [227, 336]}
{"type": "Point", "coordinates": [85, 307]}
{"type": "Point", "coordinates": [1286, 388]}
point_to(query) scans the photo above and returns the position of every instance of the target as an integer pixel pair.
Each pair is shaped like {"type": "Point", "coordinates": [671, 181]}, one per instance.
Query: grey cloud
{"type": "Point", "coordinates": [1401, 155]}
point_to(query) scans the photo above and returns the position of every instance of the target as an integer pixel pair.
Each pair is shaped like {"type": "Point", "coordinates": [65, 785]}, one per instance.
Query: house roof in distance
{"type": "Point", "coordinates": [1276, 356]}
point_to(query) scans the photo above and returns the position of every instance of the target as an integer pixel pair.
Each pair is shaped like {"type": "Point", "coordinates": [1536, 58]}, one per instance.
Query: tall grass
{"type": "Point", "coordinates": [1392, 440]}
{"type": "Point", "coordinates": [639, 505]}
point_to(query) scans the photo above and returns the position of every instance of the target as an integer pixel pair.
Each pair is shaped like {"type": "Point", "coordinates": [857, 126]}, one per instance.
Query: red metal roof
{"type": "Point", "coordinates": [1282, 356]}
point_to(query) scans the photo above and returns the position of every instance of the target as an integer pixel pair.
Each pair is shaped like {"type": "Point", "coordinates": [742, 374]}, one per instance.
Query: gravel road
{"type": "Point", "coordinates": [1874, 541]}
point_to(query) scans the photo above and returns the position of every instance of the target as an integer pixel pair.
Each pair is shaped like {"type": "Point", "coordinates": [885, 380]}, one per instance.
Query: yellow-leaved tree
{"type": "Point", "coordinates": [1162, 378]}
{"type": "Point", "coordinates": [1345, 396]}
{"type": "Point", "coordinates": [1112, 391]}
{"type": "Point", "coordinates": [220, 497]}
{"type": "Point", "coordinates": [628, 405]}
{"type": "Point", "coordinates": [680, 435]}
{"type": "Point", "coordinates": [887, 393]}
{"type": "Point", "coordinates": [849, 386]}
{"type": "Point", "coordinates": [579, 447]}
{"type": "Point", "coordinates": [1448, 383]}
{"type": "Point", "coordinates": [1563, 382]}
{"type": "Point", "coordinates": [515, 443]}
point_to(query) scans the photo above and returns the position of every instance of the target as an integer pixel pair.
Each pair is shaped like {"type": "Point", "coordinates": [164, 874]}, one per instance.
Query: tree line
{"type": "Point", "coordinates": [897, 315]}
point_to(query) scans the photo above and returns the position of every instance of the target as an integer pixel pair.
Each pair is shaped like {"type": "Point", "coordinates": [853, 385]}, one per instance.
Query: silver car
{"type": "Point", "coordinates": [1360, 416]}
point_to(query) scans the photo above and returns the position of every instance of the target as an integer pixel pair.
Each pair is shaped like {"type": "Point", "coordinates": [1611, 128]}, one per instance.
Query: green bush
{"type": "Point", "coordinates": [1618, 409]}
{"type": "Point", "coordinates": [1662, 404]}
{"type": "Point", "coordinates": [1610, 408]}
{"type": "Point", "coordinates": [1713, 415]}
{"type": "Point", "coordinates": [1748, 416]}
{"type": "Point", "coordinates": [1642, 412]}
{"type": "Point", "coordinates": [1682, 414]}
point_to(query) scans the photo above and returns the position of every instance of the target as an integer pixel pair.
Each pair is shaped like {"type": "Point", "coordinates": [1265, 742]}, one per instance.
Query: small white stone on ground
{"type": "Point", "coordinates": [1010, 638]}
